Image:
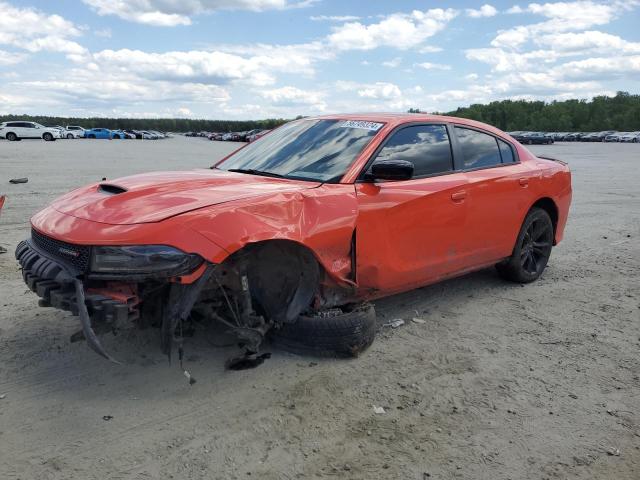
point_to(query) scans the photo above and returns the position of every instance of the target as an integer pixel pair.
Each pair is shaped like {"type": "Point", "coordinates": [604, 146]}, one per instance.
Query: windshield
{"type": "Point", "coordinates": [318, 150]}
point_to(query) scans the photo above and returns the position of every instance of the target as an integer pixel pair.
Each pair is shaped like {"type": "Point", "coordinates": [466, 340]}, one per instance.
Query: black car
{"type": "Point", "coordinates": [534, 138]}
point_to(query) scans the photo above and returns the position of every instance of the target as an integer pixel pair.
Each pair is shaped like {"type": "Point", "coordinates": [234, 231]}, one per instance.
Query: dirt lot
{"type": "Point", "coordinates": [502, 381]}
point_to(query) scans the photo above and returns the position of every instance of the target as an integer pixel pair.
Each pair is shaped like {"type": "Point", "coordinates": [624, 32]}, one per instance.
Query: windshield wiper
{"type": "Point", "coordinates": [252, 171]}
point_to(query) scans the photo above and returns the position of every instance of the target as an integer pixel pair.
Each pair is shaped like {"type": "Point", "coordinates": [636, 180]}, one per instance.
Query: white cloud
{"type": "Point", "coordinates": [104, 33]}
{"type": "Point", "coordinates": [35, 31]}
{"type": "Point", "coordinates": [588, 41]}
{"type": "Point", "coordinates": [293, 96]}
{"type": "Point", "coordinates": [257, 67]}
{"type": "Point", "coordinates": [485, 10]}
{"type": "Point", "coordinates": [433, 66]}
{"type": "Point", "coordinates": [393, 63]}
{"type": "Point", "coordinates": [334, 18]}
{"type": "Point", "coordinates": [169, 13]}
{"type": "Point", "coordinates": [562, 17]}
{"type": "Point", "coordinates": [601, 68]}
{"type": "Point", "coordinates": [398, 30]}
{"type": "Point", "coordinates": [507, 61]}
{"type": "Point", "coordinates": [380, 90]}
{"type": "Point", "coordinates": [514, 9]}
{"type": "Point", "coordinates": [429, 49]}
{"type": "Point", "coordinates": [8, 58]}
{"type": "Point", "coordinates": [472, 77]}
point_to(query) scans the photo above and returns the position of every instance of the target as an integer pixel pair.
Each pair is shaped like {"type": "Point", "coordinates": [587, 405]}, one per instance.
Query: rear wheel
{"type": "Point", "coordinates": [69, 136]}
{"type": "Point", "coordinates": [532, 250]}
{"type": "Point", "coordinates": [12, 137]}
{"type": "Point", "coordinates": [47, 137]}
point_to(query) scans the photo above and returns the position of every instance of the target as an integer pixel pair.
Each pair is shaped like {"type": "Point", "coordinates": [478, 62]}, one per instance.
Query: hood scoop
{"type": "Point", "coordinates": [111, 189]}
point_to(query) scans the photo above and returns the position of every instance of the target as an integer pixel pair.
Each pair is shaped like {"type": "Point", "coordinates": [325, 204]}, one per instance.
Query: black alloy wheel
{"type": "Point", "coordinates": [532, 250]}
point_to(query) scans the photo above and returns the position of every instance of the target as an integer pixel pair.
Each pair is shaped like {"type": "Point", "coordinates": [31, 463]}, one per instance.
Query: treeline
{"type": "Point", "coordinates": [161, 124]}
{"type": "Point", "coordinates": [621, 113]}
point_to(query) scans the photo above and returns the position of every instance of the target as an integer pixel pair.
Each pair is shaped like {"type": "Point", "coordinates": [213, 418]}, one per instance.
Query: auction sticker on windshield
{"type": "Point", "coordinates": [361, 124]}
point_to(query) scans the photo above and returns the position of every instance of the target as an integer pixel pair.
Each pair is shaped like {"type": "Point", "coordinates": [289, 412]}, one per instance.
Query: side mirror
{"type": "Point", "coordinates": [391, 170]}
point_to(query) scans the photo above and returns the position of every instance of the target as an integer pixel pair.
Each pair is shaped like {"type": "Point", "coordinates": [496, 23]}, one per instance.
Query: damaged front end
{"type": "Point", "coordinates": [114, 288]}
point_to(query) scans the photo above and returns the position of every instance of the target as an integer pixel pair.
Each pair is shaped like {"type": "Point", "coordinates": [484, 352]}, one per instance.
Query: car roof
{"type": "Point", "coordinates": [397, 119]}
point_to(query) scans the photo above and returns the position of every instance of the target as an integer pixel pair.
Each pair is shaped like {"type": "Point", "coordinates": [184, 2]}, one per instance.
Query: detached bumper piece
{"type": "Point", "coordinates": [59, 287]}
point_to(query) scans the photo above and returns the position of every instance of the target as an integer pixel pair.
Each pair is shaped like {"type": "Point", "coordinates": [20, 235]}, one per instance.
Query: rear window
{"type": "Point", "coordinates": [506, 151]}
{"type": "Point", "coordinates": [479, 149]}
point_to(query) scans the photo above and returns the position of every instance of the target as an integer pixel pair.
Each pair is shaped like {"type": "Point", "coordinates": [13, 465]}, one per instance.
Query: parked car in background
{"type": "Point", "coordinates": [574, 136]}
{"type": "Point", "coordinates": [257, 135]}
{"type": "Point", "coordinates": [630, 137]}
{"type": "Point", "coordinates": [74, 131]}
{"type": "Point", "coordinates": [148, 135]}
{"type": "Point", "coordinates": [614, 137]}
{"type": "Point", "coordinates": [103, 133]}
{"type": "Point", "coordinates": [14, 131]}
{"type": "Point", "coordinates": [118, 135]}
{"type": "Point", "coordinates": [534, 138]}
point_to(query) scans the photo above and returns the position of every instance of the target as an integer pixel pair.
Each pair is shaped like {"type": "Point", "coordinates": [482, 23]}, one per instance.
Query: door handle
{"type": "Point", "coordinates": [523, 182]}
{"type": "Point", "coordinates": [459, 196]}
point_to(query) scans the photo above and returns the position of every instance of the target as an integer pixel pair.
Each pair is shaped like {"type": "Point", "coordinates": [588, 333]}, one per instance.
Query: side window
{"type": "Point", "coordinates": [478, 149]}
{"type": "Point", "coordinates": [28, 125]}
{"type": "Point", "coordinates": [426, 146]}
{"type": "Point", "coordinates": [506, 151]}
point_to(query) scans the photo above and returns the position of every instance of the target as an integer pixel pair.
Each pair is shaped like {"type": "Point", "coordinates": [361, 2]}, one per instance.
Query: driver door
{"type": "Point", "coordinates": [410, 232]}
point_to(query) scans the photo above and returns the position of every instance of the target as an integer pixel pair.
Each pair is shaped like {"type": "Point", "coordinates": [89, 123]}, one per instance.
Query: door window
{"type": "Point", "coordinates": [426, 146]}
{"type": "Point", "coordinates": [479, 149]}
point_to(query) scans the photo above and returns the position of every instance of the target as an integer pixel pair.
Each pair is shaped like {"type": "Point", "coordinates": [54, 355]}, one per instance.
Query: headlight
{"type": "Point", "coordinates": [158, 260]}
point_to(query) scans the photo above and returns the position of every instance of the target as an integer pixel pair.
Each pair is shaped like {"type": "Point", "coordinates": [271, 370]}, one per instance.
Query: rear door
{"type": "Point", "coordinates": [29, 130]}
{"type": "Point", "coordinates": [497, 194]}
{"type": "Point", "coordinates": [409, 232]}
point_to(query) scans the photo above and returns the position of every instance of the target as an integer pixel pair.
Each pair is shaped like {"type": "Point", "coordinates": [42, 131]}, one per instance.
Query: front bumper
{"type": "Point", "coordinates": [54, 282]}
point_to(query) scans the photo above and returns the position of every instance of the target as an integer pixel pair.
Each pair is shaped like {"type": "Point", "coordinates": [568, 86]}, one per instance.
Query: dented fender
{"type": "Point", "coordinates": [322, 219]}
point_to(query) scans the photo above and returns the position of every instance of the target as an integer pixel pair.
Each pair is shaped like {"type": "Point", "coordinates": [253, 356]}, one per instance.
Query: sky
{"type": "Point", "coordinates": [251, 59]}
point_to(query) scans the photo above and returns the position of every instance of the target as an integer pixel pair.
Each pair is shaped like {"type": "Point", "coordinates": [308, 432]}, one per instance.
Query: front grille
{"type": "Point", "coordinates": [76, 256]}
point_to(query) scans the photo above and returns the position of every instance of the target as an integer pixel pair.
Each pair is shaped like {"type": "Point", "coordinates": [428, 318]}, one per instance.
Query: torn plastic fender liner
{"type": "Point", "coordinates": [85, 320]}
{"type": "Point", "coordinates": [182, 297]}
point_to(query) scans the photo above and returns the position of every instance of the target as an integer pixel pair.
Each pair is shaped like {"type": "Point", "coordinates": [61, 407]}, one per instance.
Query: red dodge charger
{"type": "Point", "coordinates": [291, 235]}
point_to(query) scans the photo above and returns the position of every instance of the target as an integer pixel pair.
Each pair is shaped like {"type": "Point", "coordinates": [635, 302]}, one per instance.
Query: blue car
{"type": "Point", "coordinates": [118, 134]}
{"type": "Point", "coordinates": [98, 133]}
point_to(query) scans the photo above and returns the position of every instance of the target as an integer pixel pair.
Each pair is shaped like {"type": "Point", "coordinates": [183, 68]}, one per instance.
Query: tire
{"type": "Point", "coordinates": [528, 260]}
{"type": "Point", "coordinates": [47, 137]}
{"type": "Point", "coordinates": [529, 142]}
{"type": "Point", "coordinates": [344, 335]}
{"type": "Point", "coordinates": [69, 136]}
{"type": "Point", "coordinates": [91, 136]}
{"type": "Point", "coordinates": [12, 137]}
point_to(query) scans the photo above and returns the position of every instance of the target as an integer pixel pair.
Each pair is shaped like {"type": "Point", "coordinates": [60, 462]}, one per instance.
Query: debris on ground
{"type": "Point", "coordinates": [614, 452]}
{"type": "Point", "coordinates": [106, 418]}
{"type": "Point", "coordinates": [378, 409]}
{"type": "Point", "coordinates": [248, 360]}
{"type": "Point", "coordinates": [395, 323]}
{"type": "Point", "coordinates": [19, 180]}
{"type": "Point", "coordinates": [3, 250]}
{"type": "Point", "coordinates": [3, 396]}
{"type": "Point", "coordinates": [418, 320]}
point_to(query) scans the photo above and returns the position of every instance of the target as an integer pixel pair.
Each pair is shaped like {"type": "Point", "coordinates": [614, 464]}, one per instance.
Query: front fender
{"type": "Point", "coordinates": [322, 219]}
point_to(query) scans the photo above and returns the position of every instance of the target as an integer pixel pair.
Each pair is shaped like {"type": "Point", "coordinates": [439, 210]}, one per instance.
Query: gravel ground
{"type": "Point", "coordinates": [502, 381]}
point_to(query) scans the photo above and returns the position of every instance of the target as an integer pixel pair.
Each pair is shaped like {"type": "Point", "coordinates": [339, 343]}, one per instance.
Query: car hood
{"type": "Point", "coordinates": [152, 197]}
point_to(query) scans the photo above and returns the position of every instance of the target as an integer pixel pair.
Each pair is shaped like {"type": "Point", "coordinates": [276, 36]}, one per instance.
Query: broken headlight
{"type": "Point", "coordinates": [152, 260]}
